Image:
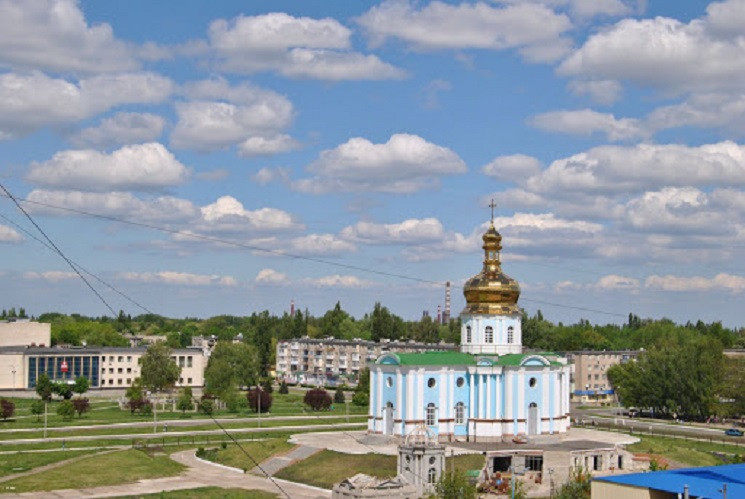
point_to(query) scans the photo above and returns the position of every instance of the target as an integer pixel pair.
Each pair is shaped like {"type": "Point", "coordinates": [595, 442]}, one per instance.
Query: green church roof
{"type": "Point", "coordinates": [465, 359]}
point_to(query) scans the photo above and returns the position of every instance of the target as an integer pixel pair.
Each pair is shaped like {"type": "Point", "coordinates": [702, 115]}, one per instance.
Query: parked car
{"type": "Point", "coordinates": [733, 432]}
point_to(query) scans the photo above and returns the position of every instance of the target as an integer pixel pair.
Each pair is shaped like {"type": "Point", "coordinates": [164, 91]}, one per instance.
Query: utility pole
{"type": "Point", "coordinates": [258, 402]}
{"type": "Point", "coordinates": [45, 419]}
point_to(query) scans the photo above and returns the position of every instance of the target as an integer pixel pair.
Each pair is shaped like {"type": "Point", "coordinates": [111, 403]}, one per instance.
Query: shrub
{"type": "Point", "coordinates": [266, 385]}
{"type": "Point", "coordinates": [81, 405]}
{"type": "Point", "coordinates": [317, 399]}
{"type": "Point", "coordinates": [255, 396]}
{"type": "Point", "coordinates": [361, 399]}
{"type": "Point", "coordinates": [184, 402]}
{"type": "Point", "coordinates": [7, 409]}
{"type": "Point", "coordinates": [206, 406]}
{"type": "Point", "coordinates": [235, 402]}
{"type": "Point", "coordinates": [66, 409]}
{"type": "Point", "coordinates": [283, 390]}
{"type": "Point", "coordinates": [147, 408]}
{"type": "Point", "coordinates": [339, 396]}
{"type": "Point", "coordinates": [139, 404]}
{"type": "Point", "coordinates": [37, 408]}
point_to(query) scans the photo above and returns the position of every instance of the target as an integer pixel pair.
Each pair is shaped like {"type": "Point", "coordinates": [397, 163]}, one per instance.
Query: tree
{"type": "Point", "coordinates": [361, 399]}
{"type": "Point", "coordinates": [283, 389]}
{"type": "Point", "coordinates": [259, 400]}
{"type": "Point", "coordinates": [339, 396]}
{"type": "Point", "coordinates": [62, 389]}
{"type": "Point", "coordinates": [66, 409]}
{"type": "Point", "coordinates": [231, 365]}
{"type": "Point", "coordinates": [158, 370]}
{"type": "Point", "coordinates": [81, 405]}
{"type": "Point", "coordinates": [207, 406]}
{"type": "Point", "coordinates": [455, 486]}
{"type": "Point", "coordinates": [185, 400]}
{"type": "Point", "coordinates": [44, 387]}
{"type": "Point", "coordinates": [7, 409]}
{"type": "Point", "coordinates": [266, 385]}
{"type": "Point", "coordinates": [37, 408]}
{"type": "Point", "coordinates": [81, 385]}
{"type": "Point", "coordinates": [317, 399]}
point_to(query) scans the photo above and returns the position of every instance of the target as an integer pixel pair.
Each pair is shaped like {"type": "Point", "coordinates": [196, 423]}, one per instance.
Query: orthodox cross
{"type": "Point", "coordinates": [492, 205]}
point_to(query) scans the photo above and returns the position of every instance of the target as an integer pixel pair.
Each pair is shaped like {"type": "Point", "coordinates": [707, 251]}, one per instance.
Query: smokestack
{"type": "Point", "coordinates": [439, 314]}
{"type": "Point", "coordinates": [292, 308]}
{"type": "Point", "coordinates": [446, 317]}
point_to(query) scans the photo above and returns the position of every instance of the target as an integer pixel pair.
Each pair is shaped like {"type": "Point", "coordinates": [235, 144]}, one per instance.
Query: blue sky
{"type": "Point", "coordinates": [368, 138]}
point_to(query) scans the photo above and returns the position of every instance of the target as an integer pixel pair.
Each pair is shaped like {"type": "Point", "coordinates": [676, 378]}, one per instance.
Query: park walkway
{"type": "Point", "coordinates": [198, 474]}
{"type": "Point", "coordinates": [274, 464]}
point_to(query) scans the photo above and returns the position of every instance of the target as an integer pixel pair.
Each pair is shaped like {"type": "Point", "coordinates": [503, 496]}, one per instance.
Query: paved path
{"type": "Point", "coordinates": [198, 474]}
{"type": "Point", "coordinates": [274, 464]}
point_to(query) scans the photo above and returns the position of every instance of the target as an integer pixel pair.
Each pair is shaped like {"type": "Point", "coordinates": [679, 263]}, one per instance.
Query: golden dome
{"type": "Point", "coordinates": [491, 291]}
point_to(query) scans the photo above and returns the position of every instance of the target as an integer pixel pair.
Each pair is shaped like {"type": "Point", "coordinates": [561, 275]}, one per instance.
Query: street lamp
{"type": "Point", "coordinates": [13, 370]}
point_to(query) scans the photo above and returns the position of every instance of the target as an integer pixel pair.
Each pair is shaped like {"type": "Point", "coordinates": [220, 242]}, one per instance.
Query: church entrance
{"type": "Point", "coordinates": [533, 419]}
{"type": "Point", "coordinates": [388, 419]}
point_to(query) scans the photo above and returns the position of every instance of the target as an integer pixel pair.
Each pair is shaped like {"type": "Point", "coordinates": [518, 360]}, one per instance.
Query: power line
{"type": "Point", "coordinates": [276, 252]}
{"type": "Point", "coordinates": [122, 294]}
{"type": "Point", "coordinates": [59, 251]}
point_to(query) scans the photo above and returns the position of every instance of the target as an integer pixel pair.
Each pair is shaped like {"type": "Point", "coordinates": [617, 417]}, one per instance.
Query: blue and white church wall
{"type": "Point", "coordinates": [482, 402]}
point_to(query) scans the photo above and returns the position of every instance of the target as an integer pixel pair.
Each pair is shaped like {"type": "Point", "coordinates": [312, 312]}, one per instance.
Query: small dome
{"type": "Point", "coordinates": [491, 291]}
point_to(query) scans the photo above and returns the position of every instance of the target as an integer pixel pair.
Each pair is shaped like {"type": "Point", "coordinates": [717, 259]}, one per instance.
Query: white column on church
{"type": "Point", "coordinates": [471, 396]}
{"type": "Point", "coordinates": [398, 412]}
{"type": "Point", "coordinates": [521, 397]}
{"type": "Point", "coordinates": [509, 396]}
{"type": "Point", "coordinates": [380, 378]}
{"type": "Point", "coordinates": [482, 397]}
{"type": "Point", "coordinates": [489, 389]}
{"type": "Point", "coordinates": [409, 396]}
{"type": "Point", "coordinates": [420, 379]}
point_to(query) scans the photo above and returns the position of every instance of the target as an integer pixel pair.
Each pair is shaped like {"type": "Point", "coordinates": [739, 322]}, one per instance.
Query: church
{"type": "Point", "coordinates": [489, 390]}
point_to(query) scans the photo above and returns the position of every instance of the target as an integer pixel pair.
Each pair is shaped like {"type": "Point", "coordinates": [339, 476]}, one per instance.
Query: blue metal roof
{"type": "Point", "coordinates": [704, 482]}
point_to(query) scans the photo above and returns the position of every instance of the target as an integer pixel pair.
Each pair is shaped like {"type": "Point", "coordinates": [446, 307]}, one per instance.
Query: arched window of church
{"type": "Point", "coordinates": [489, 334]}
{"type": "Point", "coordinates": [432, 475]}
{"type": "Point", "coordinates": [510, 334]}
{"type": "Point", "coordinates": [460, 413]}
{"type": "Point", "coordinates": [468, 334]}
{"type": "Point", "coordinates": [431, 414]}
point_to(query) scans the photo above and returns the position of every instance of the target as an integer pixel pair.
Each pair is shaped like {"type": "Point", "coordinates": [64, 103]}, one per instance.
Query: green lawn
{"type": "Point", "coordinates": [465, 462]}
{"type": "Point", "coordinates": [108, 469]}
{"type": "Point", "coordinates": [688, 452]}
{"type": "Point", "coordinates": [25, 461]}
{"type": "Point", "coordinates": [234, 456]}
{"type": "Point", "coordinates": [207, 493]}
{"type": "Point", "coordinates": [326, 468]}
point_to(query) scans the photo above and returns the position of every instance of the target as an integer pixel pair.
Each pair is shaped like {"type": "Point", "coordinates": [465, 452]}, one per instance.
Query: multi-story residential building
{"type": "Point", "coordinates": [322, 360]}
{"type": "Point", "coordinates": [589, 380]}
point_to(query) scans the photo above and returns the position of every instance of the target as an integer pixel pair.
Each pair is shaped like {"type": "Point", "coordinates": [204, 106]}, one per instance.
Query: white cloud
{"type": "Point", "coordinates": [601, 91]}
{"type": "Point", "coordinates": [117, 204]}
{"type": "Point", "coordinates": [720, 282]}
{"type": "Point", "coordinates": [271, 277]}
{"type": "Point", "coordinates": [588, 122]}
{"type": "Point", "coordinates": [54, 35]}
{"type": "Point", "coordinates": [616, 169]}
{"type": "Point", "coordinates": [222, 116]}
{"type": "Point", "coordinates": [613, 282]}
{"type": "Point", "coordinates": [137, 167]}
{"type": "Point", "coordinates": [339, 281]}
{"type": "Point", "coordinates": [529, 222]}
{"type": "Point", "coordinates": [533, 28]}
{"type": "Point", "coordinates": [592, 8]}
{"type": "Point", "coordinates": [265, 175]}
{"type": "Point", "coordinates": [51, 275]}
{"type": "Point", "coordinates": [122, 128]}
{"type": "Point", "coordinates": [229, 214]}
{"type": "Point", "coordinates": [261, 146]}
{"type": "Point", "coordinates": [178, 278]}
{"type": "Point", "coordinates": [321, 244]}
{"type": "Point", "coordinates": [513, 167]}
{"type": "Point", "coordinates": [404, 164]}
{"type": "Point", "coordinates": [664, 53]}
{"type": "Point", "coordinates": [675, 209]}
{"type": "Point", "coordinates": [411, 231]}
{"type": "Point", "coordinates": [31, 101]}
{"type": "Point", "coordinates": [9, 235]}
{"type": "Point", "coordinates": [708, 110]}
{"type": "Point", "coordinates": [293, 46]}
{"type": "Point", "coordinates": [726, 18]}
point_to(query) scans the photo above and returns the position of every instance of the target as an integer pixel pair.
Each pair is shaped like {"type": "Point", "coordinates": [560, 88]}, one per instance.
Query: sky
{"type": "Point", "coordinates": [203, 158]}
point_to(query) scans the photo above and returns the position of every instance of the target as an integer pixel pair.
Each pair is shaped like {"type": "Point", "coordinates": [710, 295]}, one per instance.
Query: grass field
{"type": "Point", "coordinates": [235, 457]}
{"type": "Point", "coordinates": [687, 452]}
{"type": "Point", "coordinates": [108, 469]}
{"type": "Point", "coordinates": [25, 461]}
{"type": "Point", "coordinates": [328, 467]}
{"type": "Point", "coordinates": [207, 493]}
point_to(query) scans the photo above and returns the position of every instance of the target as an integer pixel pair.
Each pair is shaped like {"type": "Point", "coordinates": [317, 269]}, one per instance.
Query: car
{"type": "Point", "coordinates": [733, 432]}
